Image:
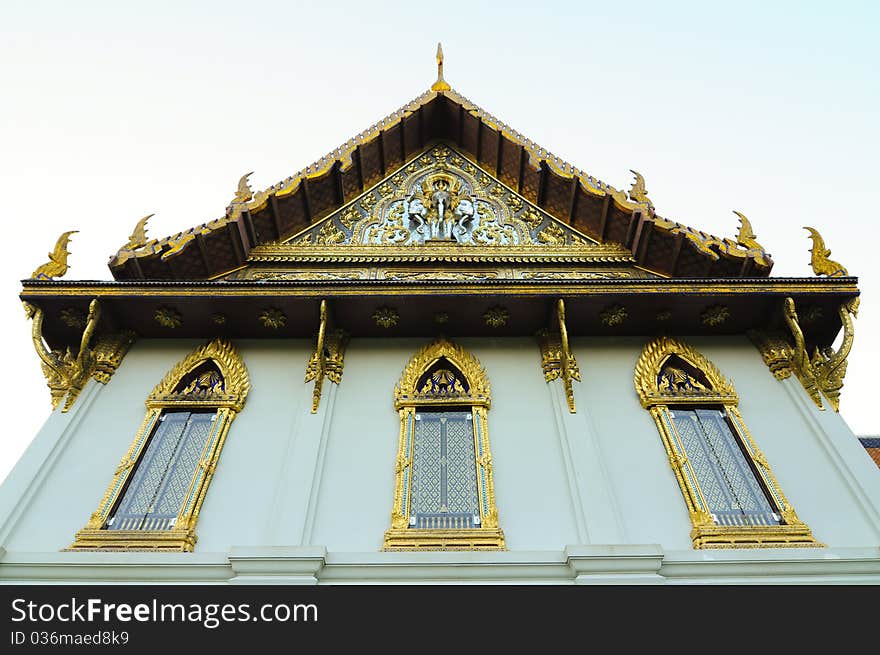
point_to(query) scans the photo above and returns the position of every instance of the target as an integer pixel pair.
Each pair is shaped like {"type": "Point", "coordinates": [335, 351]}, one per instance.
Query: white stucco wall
{"type": "Point", "coordinates": [291, 479]}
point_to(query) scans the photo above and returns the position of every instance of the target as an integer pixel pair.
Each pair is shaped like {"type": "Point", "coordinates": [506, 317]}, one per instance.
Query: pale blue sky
{"type": "Point", "coordinates": [114, 110]}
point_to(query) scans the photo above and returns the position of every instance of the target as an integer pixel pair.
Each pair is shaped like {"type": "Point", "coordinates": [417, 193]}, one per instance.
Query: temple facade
{"type": "Point", "coordinates": [441, 354]}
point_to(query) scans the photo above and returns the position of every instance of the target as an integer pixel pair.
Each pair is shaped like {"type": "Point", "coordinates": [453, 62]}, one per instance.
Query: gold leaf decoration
{"type": "Point", "coordinates": [613, 315]}
{"type": "Point", "coordinates": [496, 316]}
{"type": "Point", "coordinates": [168, 317]}
{"type": "Point", "coordinates": [368, 202]}
{"type": "Point", "coordinates": [552, 235]}
{"type": "Point", "coordinates": [386, 317]}
{"type": "Point", "coordinates": [715, 315]}
{"type": "Point", "coordinates": [272, 318]}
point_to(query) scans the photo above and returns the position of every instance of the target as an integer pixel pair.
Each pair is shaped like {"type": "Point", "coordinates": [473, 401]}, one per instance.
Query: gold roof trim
{"type": "Point", "coordinates": [443, 252]}
{"type": "Point", "coordinates": [537, 156]}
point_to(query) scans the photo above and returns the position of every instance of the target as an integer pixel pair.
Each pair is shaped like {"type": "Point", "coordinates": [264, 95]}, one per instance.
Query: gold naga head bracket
{"type": "Point", "coordinates": [328, 360]}
{"type": "Point", "coordinates": [822, 373]}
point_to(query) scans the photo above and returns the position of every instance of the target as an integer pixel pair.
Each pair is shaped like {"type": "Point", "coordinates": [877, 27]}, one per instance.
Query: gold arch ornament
{"type": "Point", "coordinates": [712, 389]}
{"type": "Point", "coordinates": [409, 399]}
{"type": "Point", "coordinates": [226, 402]}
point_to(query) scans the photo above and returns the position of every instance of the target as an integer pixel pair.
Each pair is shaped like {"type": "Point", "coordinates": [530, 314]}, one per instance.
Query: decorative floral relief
{"type": "Point", "coordinates": [273, 318]}
{"type": "Point", "coordinates": [386, 317]}
{"type": "Point", "coordinates": [496, 316]}
{"type": "Point", "coordinates": [168, 317]}
{"type": "Point", "coordinates": [440, 198]}
{"type": "Point", "coordinates": [614, 315]}
{"type": "Point", "coordinates": [715, 315]}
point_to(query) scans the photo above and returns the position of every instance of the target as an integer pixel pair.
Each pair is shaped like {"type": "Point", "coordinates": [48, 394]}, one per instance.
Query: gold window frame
{"type": "Point", "coordinates": [658, 401]}
{"type": "Point", "coordinates": [226, 406]}
{"type": "Point", "coordinates": [408, 399]}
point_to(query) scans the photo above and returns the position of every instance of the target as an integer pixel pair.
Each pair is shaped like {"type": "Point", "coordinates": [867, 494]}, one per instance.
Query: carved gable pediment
{"type": "Point", "coordinates": [440, 216]}
{"type": "Point", "coordinates": [441, 197]}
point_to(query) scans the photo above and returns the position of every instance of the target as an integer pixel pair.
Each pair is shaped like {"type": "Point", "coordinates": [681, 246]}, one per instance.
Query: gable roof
{"type": "Point", "coordinates": [577, 199]}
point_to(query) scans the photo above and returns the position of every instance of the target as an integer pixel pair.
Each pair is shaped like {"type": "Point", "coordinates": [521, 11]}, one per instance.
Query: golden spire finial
{"type": "Point", "coordinates": [440, 84]}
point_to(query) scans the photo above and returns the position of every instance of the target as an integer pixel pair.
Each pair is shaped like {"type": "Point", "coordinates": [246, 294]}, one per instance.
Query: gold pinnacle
{"type": "Point", "coordinates": [440, 84]}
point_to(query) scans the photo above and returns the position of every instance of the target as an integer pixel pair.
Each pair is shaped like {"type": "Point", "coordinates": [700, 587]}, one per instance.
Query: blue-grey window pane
{"type": "Point", "coordinates": [728, 483]}
{"type": "Point", "coordinates": [444, 484]}
{"type": "Point", "coordinates": [153, 498]}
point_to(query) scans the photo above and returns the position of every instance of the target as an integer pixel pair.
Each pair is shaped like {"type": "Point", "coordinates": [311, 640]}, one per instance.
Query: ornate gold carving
{"type": "Point", "coordinates": [368, 202]}
{"type": "Point", "coordinates": [825, 370]}
{"type": "Point", "coordinates": [349, 217]}
{"type": "Point", "coordinates": [218, 319]}
{"type": "Point", "coordinates": [328, 358]}
{"type": "Point", "coordinates": [386, 317]}
{"type": "Point", "coordinates": [669, 373]}
{"type": "Point", "coordinates": [407, 393]}
{"type": "Point", "coordinates": [819, 257]}
{"type": "Point", "coordinates": [66, 374]}
{"type": "Point", "coordinates": [235, 377]}
{"type": "Point", "coordinates": [57, 264]}
{"type": "Point", "coordinates": [226, 399]}
{"type": "Point", "coordinates": [309, 275]}
{"type": "Point", "coordinates": [440, 252]}
{"type": "Point", "coordinates": [746, 238]}
{"type": "Point", "coordinates": [243, 193]}
{"type": "Point", "coordinates": [515, 203]}
{"type": "Point", "coordinates": [439, 203]}
{"type": "Point", "coordinates": [552, 235]}
{"type": "Point", "coordinates": [496, 316]}
{"type": "Point", "coordinates": [108, 353]}
{"type": "Point", "coordinates": [638, 193]}
{"type": "Point", "coordinates": [445, 390]}
{"type": "Point", "coordinates": [168, 317]}
{"type": "Point", "coordinates": [440, 275]}
{"type": "Point", "coordinates": [73, 318]}
{"type": "Point", "coordinates": [655, 354]}
{"type": "Point", "coordinates": [272, 318]}
{"type": "Point", "coordinates": [533, 218]}
{"type": "Point", "coordinates": [776, 352]}
{"type": "Point", "coordinates": [576, 275]}
{"type": "Point", "coordinates": [613, 315]}
{"type": "Point", "coordinates": [329, 235]}
{"type": "Point", "coordinates": [138, 237]}
{"type": "Point", "coordinates": [715, 315]}
{"type": "Point", "coordinates": [557, 360]}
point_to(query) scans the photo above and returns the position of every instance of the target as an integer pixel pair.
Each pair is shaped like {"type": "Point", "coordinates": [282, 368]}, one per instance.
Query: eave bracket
{"type": "Point", "coordinates": [820, 374]}
{"type": "Point", "coordinates": [328, 358]}
{"type": "Point", "coordinates": [557, 360]}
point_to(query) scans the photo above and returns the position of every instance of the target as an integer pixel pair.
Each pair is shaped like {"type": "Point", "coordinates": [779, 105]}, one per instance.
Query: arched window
{"type": "Point", "coordinates": [444, 497]}
{"type": "Point", "coordinates": [153, 501]}
{"type": "Point", "coordinates": [733, 498]}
